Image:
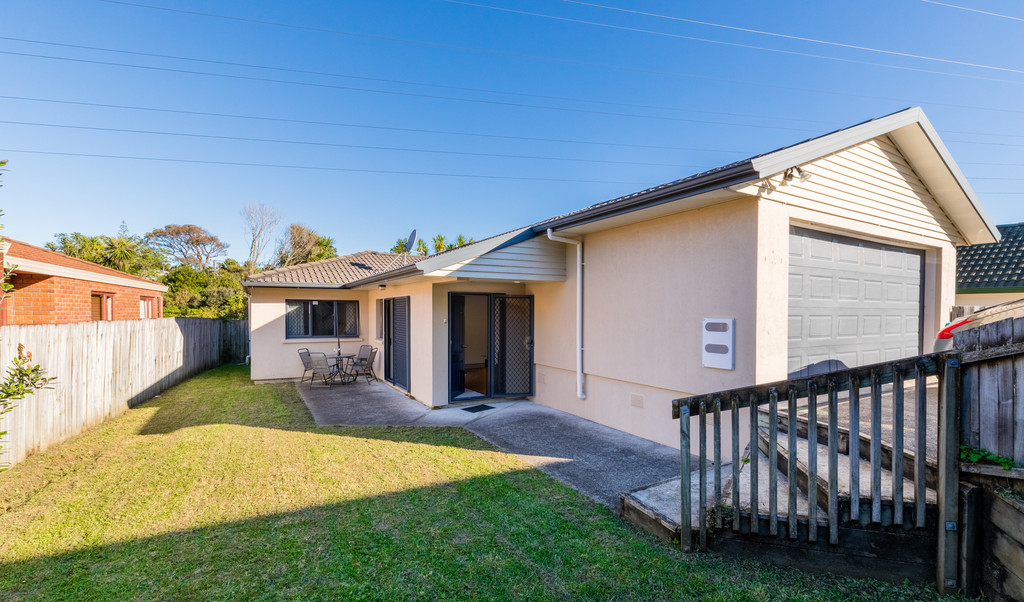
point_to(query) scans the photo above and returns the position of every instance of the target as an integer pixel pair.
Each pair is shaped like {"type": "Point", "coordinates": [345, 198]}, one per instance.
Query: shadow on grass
{"type": "Point", "coordinates": [504, 536]}
{"type": "Point", "coordinates": [226, 395]}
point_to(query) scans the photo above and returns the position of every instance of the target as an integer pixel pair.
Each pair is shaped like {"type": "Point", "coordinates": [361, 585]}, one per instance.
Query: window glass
{"type": "Point", "coordinates": [380, 319]}
{"type": "Point", "coordinates": [323, 318]}
{"type": "Point", "coordinates": [348, 318]}
{"type": "Point", "coordinates": [296, 318]}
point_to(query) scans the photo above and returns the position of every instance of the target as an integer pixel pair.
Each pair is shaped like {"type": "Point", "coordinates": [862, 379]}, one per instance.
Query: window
{"type": "Point", "coordinates": [321, 319]}
{"type": "Point", "coordinates": [380, 319]}
{"type": "Point", "coordinates": [146, 307]}
{"type": "Point", "coordinates": [101, 306]}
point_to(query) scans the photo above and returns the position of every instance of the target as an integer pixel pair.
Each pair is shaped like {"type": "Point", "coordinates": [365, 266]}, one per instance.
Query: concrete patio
{"type": "Point", "coordinates": [596, 460]}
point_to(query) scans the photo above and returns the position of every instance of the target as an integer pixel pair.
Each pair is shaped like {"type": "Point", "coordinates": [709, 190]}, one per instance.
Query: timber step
{"type": "Point", "coordinates": [886, 486]}
{"type": "Point", "coordinates": [864, 441]}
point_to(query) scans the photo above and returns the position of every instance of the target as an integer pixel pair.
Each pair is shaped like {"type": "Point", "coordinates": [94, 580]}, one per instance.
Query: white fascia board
{"type": "Point", "coordinates": [47, 269]}
{"type": "Point", "coordinates": [806, 152]}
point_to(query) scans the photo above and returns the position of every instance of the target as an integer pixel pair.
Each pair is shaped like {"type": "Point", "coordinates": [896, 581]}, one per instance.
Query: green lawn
{"type": "Point", "coordinates": [219, 489]}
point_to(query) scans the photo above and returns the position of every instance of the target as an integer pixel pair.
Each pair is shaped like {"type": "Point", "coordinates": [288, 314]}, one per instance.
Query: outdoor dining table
{"type": "Point", "coordinates": [338, 359]}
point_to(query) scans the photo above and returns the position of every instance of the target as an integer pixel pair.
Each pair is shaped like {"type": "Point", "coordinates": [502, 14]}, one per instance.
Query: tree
{"type": "Point", "coordinates": [439, 244]}
{"type": "Point", "coordinates": [125, 252]}
{"type": "Point", "coordinates": [302, 245]}
{"type": "Point", "coordinates": [400, 246]}
{"type": "Point", "coordinates": [261, 220]}
{"type": "Point", "coordinates": [421, 248]}
{"type": "Point", "coordinates": [188, 244]}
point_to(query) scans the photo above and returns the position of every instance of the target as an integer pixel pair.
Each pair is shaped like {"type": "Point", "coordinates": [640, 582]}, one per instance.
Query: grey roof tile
{"type": "Point", "coordinates": [337, 270]}
{"type": "Point", "coordinates": [994, 265]}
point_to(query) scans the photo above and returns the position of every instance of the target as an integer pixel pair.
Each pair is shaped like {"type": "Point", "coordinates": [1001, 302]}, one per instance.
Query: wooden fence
{"type": "Point", "coordinates": [102, 369]}
{"type": "Point", "coordinates": [822, 486]}
{"type": "Point", "coordinates": [992, 410]}
{"type": "Point", "coordinates": [234, 341]}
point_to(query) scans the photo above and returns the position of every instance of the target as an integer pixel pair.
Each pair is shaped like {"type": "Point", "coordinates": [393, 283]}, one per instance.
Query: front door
{"type": "Point", "coordinates": [490, 346]}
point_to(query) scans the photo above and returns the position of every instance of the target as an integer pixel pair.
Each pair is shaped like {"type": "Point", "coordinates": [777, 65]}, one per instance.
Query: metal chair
{"type": "Point", "coordinates": [364, 366]}
{"type": "Point", "coordinates": [323, 370]}
{"type": "Point", "coordinates": [307, 365]}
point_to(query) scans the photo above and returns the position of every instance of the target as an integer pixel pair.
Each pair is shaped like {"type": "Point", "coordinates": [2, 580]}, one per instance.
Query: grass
{"type": "Point", "coordinates": [220, 489]}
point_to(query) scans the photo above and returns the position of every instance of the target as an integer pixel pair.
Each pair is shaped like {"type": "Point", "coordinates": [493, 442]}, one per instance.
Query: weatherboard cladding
{"type": "Point", "coordinates": [336, 271]}
{"type": "Point", "coordinates": [998, 266]}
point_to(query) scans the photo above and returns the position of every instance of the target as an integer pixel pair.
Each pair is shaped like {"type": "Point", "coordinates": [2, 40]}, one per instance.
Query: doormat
{"type": "Point", "coordinates": [479, 408]}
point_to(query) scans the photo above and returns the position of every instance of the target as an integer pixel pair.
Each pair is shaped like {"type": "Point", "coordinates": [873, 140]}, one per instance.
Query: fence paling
{"type": "Point", "coordinates": [102, 369]}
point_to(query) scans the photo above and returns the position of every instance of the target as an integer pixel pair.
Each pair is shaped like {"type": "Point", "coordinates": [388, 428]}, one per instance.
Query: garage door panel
{"type": "Point", "coordinates": [855, 301]}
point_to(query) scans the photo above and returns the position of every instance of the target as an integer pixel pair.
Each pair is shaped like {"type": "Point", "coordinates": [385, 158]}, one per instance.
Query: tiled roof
{"type": "Point", "coordinates": [338, 270]}
{"type": "Point", "coordinates": [998, 265]}
{"type": "Point", "coordinates": [27, 252]}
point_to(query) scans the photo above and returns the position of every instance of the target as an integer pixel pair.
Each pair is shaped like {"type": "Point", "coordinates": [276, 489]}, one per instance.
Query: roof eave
{"type": "Point", "coordinates": [290, 285]}
{"type": "Point", "coordinates": [737, 174]}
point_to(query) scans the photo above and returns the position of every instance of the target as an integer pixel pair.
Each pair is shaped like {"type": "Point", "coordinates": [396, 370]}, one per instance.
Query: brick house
{"type": "Point", "coordinates": [53, 288]}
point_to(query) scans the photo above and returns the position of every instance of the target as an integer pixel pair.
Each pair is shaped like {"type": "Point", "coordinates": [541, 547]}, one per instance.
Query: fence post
{"type": "Point", "coordinates": [685, 518]}
{"type": "Point", "coordinates": [946, 564]}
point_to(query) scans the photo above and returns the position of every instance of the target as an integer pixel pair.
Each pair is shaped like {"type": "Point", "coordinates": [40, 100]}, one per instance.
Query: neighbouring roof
{"type": "Point", "coordinates": [38, 260]}
{"type": "Point", "coordinates": [334, 272]}
{"type": "Point", "coordinates": [993, 267]}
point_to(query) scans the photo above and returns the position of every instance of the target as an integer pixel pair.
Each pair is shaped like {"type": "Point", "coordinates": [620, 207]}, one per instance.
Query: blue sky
{"type": "Point", "coordinates": [364, 120]}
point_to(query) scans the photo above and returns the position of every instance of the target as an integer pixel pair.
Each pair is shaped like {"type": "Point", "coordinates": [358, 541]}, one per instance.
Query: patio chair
{"type": "Point", "coordinates": [323, 370]}
{"type": "Point", "coordinates": [364, 367]}
{"type": "Point", "coordinates": [353, 368]}
{"type": "Point", "coordinates": [307, 365]}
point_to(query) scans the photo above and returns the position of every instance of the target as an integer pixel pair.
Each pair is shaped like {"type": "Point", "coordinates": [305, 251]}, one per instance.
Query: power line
{"type": "Point", "coordinates": [316, 168]}
{"type": "Point", "coordinates": [343, 145]}
{"type": "Point", "coordinates": [974, 10]}
{"type": "Point", "coordinates": [619, 67]}
{"type": "Point", "coordinates": [429, 131]}
{"type": "Point", "coordinates": [797, 38]}
{"type": "Point", "coordinates": [410, 94]}
{"type": "Point", "coordinates": [399, 81]}
{"type": "Point", "coordinates": [734, 44]}
{"type": "Point", "coordinates": [372, 127]}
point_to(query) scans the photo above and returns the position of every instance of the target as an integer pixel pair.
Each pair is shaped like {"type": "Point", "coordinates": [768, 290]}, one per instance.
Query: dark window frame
{"type": "Point", "coordinates": [309, 319]}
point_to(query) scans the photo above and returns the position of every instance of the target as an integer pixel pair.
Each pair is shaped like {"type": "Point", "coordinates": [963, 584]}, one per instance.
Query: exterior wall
{"type": "Point", "coordinates": [40, 299]}
{"type": "Point", "coordinates": [987, 299]}
{"type": "Point", "coordinates": [647, 287]}
{"type": "Point", "coordinates": [869, 186]}
{"type": "Point", "coordinates": [275, 356]}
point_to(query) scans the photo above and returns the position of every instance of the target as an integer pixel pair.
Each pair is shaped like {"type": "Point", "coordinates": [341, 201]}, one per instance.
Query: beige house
{"type": "Point", "coordinates": [838, 248]}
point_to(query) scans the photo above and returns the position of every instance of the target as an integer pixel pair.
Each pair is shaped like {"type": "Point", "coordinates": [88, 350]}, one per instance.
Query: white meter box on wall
{"type": "Point", "coordinates": [718, 343]}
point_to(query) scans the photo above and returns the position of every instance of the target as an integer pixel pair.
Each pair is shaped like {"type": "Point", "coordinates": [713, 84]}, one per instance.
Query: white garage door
{"type": "Point", "coordinates": [851, 300]}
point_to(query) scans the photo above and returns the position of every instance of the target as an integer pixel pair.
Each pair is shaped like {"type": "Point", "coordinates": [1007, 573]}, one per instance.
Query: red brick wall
{"type": "Point", "coordinates": [40, 299]}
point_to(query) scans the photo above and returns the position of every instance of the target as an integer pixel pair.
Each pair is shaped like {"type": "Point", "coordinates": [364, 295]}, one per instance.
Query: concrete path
{"type": "Point", "coordinates": [598, 461]}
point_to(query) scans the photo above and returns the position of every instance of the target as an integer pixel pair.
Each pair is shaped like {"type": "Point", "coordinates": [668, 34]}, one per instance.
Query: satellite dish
{"type": "Point", "coordinates": [410, 241]}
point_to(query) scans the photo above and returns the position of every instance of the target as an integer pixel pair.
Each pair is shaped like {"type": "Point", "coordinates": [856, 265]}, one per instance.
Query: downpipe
{"type": "Point", "coordinates": [579, 307]}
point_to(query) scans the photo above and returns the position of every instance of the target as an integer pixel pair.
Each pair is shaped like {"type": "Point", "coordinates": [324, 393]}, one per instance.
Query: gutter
{"type": "Point", "coordinates": [579, 307]}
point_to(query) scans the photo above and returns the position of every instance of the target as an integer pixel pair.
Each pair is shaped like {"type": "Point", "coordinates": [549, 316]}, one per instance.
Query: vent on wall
{"type": "Point", "coordinates": [636, 400]}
